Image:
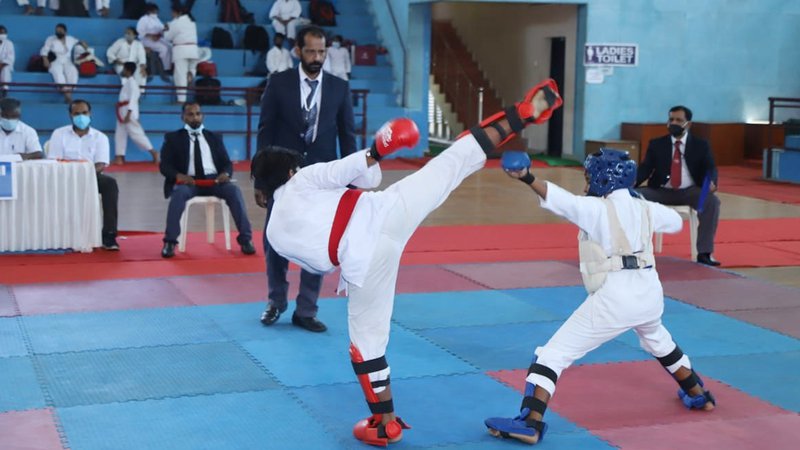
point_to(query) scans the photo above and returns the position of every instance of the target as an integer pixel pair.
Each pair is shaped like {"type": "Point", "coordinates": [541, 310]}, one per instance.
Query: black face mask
{"type": "Point", "coordinates": [675, 130]}
{"type": "Point", "coordinates": [60, 35]}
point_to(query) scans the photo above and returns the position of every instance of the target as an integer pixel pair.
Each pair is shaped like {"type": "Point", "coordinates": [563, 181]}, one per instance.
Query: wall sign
{"type": "Point", "coordinates": [623, 55]}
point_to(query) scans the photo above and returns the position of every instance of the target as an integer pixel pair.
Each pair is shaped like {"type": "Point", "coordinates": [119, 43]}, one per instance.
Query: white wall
{"type": "Point", "coordinates": [511, 43]}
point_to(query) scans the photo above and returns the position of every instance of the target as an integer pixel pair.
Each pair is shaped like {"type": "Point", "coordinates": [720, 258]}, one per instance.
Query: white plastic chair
{"type": "Point", "coordinates": [209, 203]}
{"type": "Point", "coordinates": [693, 223]}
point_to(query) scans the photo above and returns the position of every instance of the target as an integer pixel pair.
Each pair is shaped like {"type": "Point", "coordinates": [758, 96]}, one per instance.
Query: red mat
{"type": "Point", "coordinates": [733, 294]}
{"type": "Point", "coordinates": [520, 275]}
{"type": "Point", "coordinates": [33, 429]}
{"type": "Point", "coordinates": [782, 320]}
{"type": "Point", "coordinates": [746, 181]}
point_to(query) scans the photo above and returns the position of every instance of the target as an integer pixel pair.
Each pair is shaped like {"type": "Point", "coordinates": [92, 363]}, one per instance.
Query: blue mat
{"type": "Point", "coordinates": [148, 373]}
{"type": "Point", "coordinates": [511, 346]}
{"type": "Point", "coordinates": [12, 342]}
{"type": "Point", "coordinates": [705, 333]}
{"type": "Point", "coordinates": [18, 386]}
{"type": "Point", "coordinates": [769, 376]}
{"type": "Point", "coordinates": [560, 302]}
{"type": "Point", "coordinates": [672, 306]}
{"type": "Point", "coordinates": [252, 420]}
{"type": "Point", "coordinates": [120, 329]}
{"type": "Point", "coordinates": [300, 358]}
{"type": "Point", "coordinates": [449, 309]}
{"type": "Point", "coordinates": [441, 410]}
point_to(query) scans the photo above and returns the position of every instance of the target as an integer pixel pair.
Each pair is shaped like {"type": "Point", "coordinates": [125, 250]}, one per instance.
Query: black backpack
{"type": "Point", "coordinates": [208, 92]}
{"type": "Point", "coordinates": [323, 13]}
{"type": "Point", "coordinates": [232, 11]}
{"type": "Point", "coordinates": [221, 38]}
{"type": "Point", "coordinates": [256, 38]}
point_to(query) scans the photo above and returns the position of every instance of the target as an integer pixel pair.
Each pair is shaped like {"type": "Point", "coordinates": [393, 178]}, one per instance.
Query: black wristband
{"type": "Point", "coordinates": [373, 153]}
{"type": "Point", "coordinates": [528, 178]}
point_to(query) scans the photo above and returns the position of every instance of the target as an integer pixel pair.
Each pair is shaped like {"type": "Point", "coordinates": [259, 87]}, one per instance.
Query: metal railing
{"type": "Point", "coordinates": [777, 103]}
{"type": "Point", "coordinates": [460, 89]}
{"type": "Point", "coordinates": [249, 98]}
{"type": "Point", "coordinates": [403, 48]}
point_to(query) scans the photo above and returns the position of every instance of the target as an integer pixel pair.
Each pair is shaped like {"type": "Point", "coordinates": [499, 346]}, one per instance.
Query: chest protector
{"type": "Point", "coordinates": [595, 265]}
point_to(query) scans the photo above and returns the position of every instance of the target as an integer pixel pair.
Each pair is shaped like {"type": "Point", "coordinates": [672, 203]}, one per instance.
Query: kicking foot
{"type": "Point", "coordinates": [529, 431]}
{"type": "Point", "coordinates": [540, 102]}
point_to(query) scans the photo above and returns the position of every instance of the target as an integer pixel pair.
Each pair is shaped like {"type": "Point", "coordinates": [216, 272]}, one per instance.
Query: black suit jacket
{"type": "Point", "coordinates": [175, 156]}
{"type": "Point", "coordinates": [657, 162]}
{"type": "Point", "coordinates": [281, 123]}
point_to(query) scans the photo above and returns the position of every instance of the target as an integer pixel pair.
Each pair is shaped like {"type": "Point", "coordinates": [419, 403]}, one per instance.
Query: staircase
{"type": "Point", "coordinates": [460, 78]}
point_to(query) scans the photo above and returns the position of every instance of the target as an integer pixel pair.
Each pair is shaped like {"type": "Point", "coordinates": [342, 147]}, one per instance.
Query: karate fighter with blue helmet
{"type": "Point", "coordinates": [619, 271]}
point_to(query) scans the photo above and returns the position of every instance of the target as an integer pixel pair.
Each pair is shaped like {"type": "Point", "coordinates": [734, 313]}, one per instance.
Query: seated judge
{"type": "Point", "coordinates": [194, 162]}
{"type": "Point", "coordinates": [16, 136]}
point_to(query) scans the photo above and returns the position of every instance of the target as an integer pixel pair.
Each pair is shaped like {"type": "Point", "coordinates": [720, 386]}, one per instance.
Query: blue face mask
{"type": "Point", "coordinates": [81, 121]}
{"type": "Point", "coordinates": [8, 124]}
{"type": "Point", "coordinates": [193, 130]}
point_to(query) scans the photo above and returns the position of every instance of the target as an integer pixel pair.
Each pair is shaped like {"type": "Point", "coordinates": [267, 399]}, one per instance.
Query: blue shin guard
{"type": "Point", "coordinates": [522, 428]}
{"type": "Point", "coordinates": [694, 401]}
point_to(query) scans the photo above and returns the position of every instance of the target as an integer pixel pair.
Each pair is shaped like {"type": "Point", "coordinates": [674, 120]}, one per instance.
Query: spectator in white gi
{"type": "Point", "coordinates": [339, 58]}
{"type": "Point", "coordinates": [128, 117]}
{"type": "Point", "coordinates": [7, 57]}
{"type": "Point", "coordinates": [129, 49]}
{"type": "Point", "coordinates": [278, 58]}
{"type": "Point", "coordinates": [151, 31]}
{"type": "Point", "coordinates": [284, 15]}
{"type": "Point", "coordinates": [182, 34]}
{"type": "Point", "coordinates": [30, 10]}
{"type": "Point", "coordinates": [57, 55]}
{"type": "Point", "coordinates": [16, 137]}
{"type": "Point", "coordinates": [103, 7]}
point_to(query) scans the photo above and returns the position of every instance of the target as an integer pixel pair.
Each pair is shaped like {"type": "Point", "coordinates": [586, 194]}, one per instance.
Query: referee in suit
{"type": "Point", "coordinates": [675, 167]}
{"type": "Point", "coordinates": [307, 110]}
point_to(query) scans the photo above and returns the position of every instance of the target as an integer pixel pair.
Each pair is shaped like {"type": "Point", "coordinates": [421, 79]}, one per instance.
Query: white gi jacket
{"type": "Point", "coordinates": [127, 52]}
{"type": "Point", "coordinates": [302, 216]}
{"type": "Point", "coordinates": [7, 54]}
{"type": "Point", "coordinates": [130, 92]}
{"type": "Point", "coordinates": [182, 34]}
{"type": "Point", "coordinates": [285, 9]}
{"type": "Point", "coordinates": [339, 62]}
{"type": "Point", "coordinates": [62, 50]}
{"type": "Point", "coordinates": [278, 60]}
{"type": "Point", "coordinates": [149, 24]}
{"type": "Point", "coordinates": [628, 297]}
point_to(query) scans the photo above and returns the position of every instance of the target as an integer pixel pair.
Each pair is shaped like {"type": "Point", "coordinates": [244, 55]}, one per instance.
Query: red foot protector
{"type": "Point", "coordinates": [372, 432]}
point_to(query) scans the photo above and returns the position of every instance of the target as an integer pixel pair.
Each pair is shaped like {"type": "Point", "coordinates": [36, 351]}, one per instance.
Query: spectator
{"type": "Point", "coordinates": [81, 142]}
{"type": "Point", "coordinates": [103, 7]}
{"type": "Point", "coordinates": [278, 58]}
{"type": "Point", "coordinates": [128, 117]}
{"type": "Point", "coordinates": [182, 34]}
{"type": "Point", "coordinates": [129, 49]}
{"type": "Point", "coordinates": [30, 10]}
{"type": "Point", "coordinates": [192, 154]}
{"type": "Point", "coordinates": [151, 31]}
{"type": "Point", "coordinates": [7, 57]}
{"type": "Point", "coordinates": [284, 15]}
{"type": "Point", "coordinates": [57, 57]}
{"type": "Point", "coordinates": [339, 58]}
{"type": "Point", "coordinates": [16, 136]}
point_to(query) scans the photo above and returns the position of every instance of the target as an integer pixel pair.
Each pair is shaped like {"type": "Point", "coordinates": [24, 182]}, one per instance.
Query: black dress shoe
{"type": "Point", "coordinates": [705, 258]}
{"type": "Point", "coordinates": [247, 248]}
{"type": "Point", "coordinates": [168, 251]}
{"type": "Point", "coordinates": [270, 316]}
{"type": "Point", "coordinates": [309, 323]}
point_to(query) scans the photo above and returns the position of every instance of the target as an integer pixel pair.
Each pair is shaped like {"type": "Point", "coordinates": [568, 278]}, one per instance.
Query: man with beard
{"type": "Point", "coordinates": [304, 110]}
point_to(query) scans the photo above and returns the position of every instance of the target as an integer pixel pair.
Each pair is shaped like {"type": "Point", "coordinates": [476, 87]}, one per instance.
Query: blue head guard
{"type": "Point", "coordinates": [609, 170]}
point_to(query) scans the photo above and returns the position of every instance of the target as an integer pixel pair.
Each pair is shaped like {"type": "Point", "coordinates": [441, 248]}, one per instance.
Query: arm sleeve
{"type": "Point", "coordinates": [101, 152]}
{"type": "Point", "coordinates": [665, 219]}
{"type": "Point", "coordinates": [141, 29]}
{"type": "Point", "coordinates": [141, 55]}
{"type": "Point", "coordinates": [272, 61]}
{"type": "Point", "coordinates": [32, 144]}
{"type": "Point", "coordinates": [583, 211]}
{"type": "Point", "coordinates": [296, 10]}
{"type": "Point", "coordinates": [346, 124]}
{"type": "Point", "coordinates": [133, 103]}
{"type": "Point", "coordinates": [167, 166]}
{"type": "Point", "coordinates": [338, 173]}
{"type": "Point", "coordinates": [55, 149]}
{"type": "Point", "coordinates": [347, 64]}
{"type": "Point", "coordinates": [273, 11]}
{"type": "Point", "coordinates": [48, 43]}
{"type": "Point", "coordinates": [111, 53]}
{"type": "Point", "coordinates": [645, 167]}
{"type": "Point", "coordinates": [227, 166]}
{"type": "Point", "coordinates": [269, 115]}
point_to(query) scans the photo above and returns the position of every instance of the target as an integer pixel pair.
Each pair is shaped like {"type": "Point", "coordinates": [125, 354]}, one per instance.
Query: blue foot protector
{"type": "Point", "coordinates": [529, 431]}
{"type": "Point", "coordinates": [694, 401]}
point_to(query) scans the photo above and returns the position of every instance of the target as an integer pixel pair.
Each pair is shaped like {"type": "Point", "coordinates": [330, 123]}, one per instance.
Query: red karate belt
{"type": "Point", "coordinates": [120, 119]}
{"type": "Point", "coordinates": [340, 220]}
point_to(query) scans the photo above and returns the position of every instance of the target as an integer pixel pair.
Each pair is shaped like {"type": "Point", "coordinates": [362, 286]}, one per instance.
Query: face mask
{"type": "Point", "coordinates": [8, 124]}
{"type": "Point", "coordinates": [130, 37]}
{"type": "Point", "coordinates": [60, 35]}
{"type": "Point", "coordinates": [196, 129]}
{"type": "Point", "coordinates": [3, 37]}
{"type": "Point", "coordinates": [81, 121]}
{"type": "Point", "coordinates": [336, 45]}
{"type": "Point", "coordinates": [675, 130]}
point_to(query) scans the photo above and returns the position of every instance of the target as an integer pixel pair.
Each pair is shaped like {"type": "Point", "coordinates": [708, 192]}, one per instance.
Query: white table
{"type": "Point", "coordinates": [57, 207]}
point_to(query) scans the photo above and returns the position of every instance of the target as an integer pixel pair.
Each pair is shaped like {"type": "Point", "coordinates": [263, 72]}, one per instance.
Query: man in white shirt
{"type": "Point", "coordinates": [129, 49]}
{"type": "Point", "coordinates": [81, 142]}
{"type": "Point", "coordinates": [16, 137]}
{"type": "Point", "coordinates": [278, 58]}
{"type": "Point", "coordinates": [339, 58]}
{"type": "Point", "coordinates": [194, 163]}
{"type": "Point", "coordinates": [284, 15]}
{"type": "Point", "coordinates": [182, 34]}
{"type": "Point", "coordinates": [151, 31]}
{"type": "Point", "coordinates": [7, 58]}
{"type": "Point", "coordinates": [128, 117]}
{"type": "Point", "coordinates": [57, 54]}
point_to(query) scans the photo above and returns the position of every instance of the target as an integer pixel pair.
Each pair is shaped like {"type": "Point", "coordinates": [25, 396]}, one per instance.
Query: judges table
{"type": "Point", "coordinates": [57, 206]}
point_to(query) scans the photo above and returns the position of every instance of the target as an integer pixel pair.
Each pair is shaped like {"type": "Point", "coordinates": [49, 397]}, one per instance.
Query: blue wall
{"type": "Point", "coordinates": [722, 58]}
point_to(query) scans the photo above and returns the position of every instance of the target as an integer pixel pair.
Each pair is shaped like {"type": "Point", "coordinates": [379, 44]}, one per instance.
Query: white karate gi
{"type": "Point", "coordinates": [128, 52]}
{"type": "Point", "coordinates": [129, 93]}
{"type": "Point", "coordinates": [150, 24]}
{"type": "Point", "coordinates": [339, 62]}
{"type": "Point", "coordinates": [39, 3]}
{"type": "Point", "coordinates": [62, 69]}
{"type": "Point", "coordinates": [381, 225]}
{"type": "Point", "coordinates": [278, 60]}
{"type": "Point", "coordinates": [285, 9]}
{"type": "Point", "coordinates": [7, 57]}
{"type": "Point", "coordinates": [182, 34]}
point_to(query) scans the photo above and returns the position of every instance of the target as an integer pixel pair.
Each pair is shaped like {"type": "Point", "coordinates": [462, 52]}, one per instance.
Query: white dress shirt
{"type": "Point", "coordinates": [130, 92]}
{"type": "Point", "coordinates": [149, 24]}
{"type": "Point", "coordinates": [7, 54]}
{"type": "Point", "coordinates": [62, 50]}
{"type": "Point", "coordinates": [628, 297]}
{"type": "Point", "coordinates": [339, 62]}
{"type": "Point", "coordinates": [127, 52]}
{"type": "Point", "coordinates": [302, 216]}
{"type": "Point", "coordinates": [278, 60]}
{"type": "Point", "coordinates": [208, 161]}
{"type": "Point", "coordinates": [285, 9]}
{"type": "Point", "coordinates": [686, 177]}
{"type": "Point", "coordinates": [22, 140]}
{"type": "Point", "coordinates": [66, 144]}
{"type": "Point", "coordinates": [305, 89]}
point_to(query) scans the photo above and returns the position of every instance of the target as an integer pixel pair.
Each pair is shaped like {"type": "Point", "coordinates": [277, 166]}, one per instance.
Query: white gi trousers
{"type": "Point", "coordinates": [161, 48]}
{"type": "Point", "coordinates": [185, 60]}
{"type": "Point", "coordinates": [134, 130]}
{"type": "Point", "coordinates": [369, 308]}
{"type": "Point", "coordinates": [64, 73]}
{"type": "Point", "coordinates": [289, 30]}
